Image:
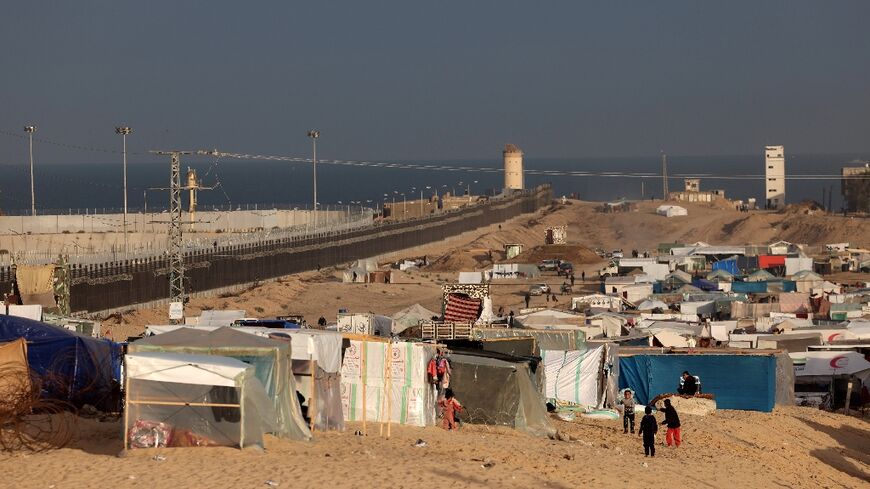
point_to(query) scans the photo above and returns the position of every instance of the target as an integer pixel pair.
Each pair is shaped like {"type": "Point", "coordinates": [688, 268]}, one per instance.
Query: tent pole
{"type": "Point", "coordinates": [389, 388]}
{"type": "Point", "coordinates": [242, 416]}
{"type": "Point", "coordinates": [848, 396]}
{"type": "Point", "coordinates": [126, 409]}
{"type": "Point", "coordinates": [363, 377]}
{"type": "Point", "coordinates": [312, 402]}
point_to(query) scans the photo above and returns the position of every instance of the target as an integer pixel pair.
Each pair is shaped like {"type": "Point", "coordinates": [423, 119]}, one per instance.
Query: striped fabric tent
{"type": "Point", "coordinates": [461, 309]}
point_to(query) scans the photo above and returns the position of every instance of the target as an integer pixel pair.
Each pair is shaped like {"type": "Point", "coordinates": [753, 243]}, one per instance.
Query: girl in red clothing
{"type": "Point", "coordinates": [450, 407]}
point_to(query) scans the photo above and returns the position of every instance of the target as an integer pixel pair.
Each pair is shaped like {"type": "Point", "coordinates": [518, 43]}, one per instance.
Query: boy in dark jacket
{"type": "Point", "coordinates": [648, 429]}
{"type": "Point", "coordinates": [672, 421]}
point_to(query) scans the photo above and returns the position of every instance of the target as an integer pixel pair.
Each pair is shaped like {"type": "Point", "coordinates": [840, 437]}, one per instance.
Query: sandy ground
{"type": "Point", "coordinates": [316, 294]}
{"type": "Point", "coordinates": [792, 447]}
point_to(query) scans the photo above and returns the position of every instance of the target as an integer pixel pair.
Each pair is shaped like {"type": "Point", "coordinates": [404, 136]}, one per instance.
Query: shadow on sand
{"type": "Point", "coordinates": [854, 449]}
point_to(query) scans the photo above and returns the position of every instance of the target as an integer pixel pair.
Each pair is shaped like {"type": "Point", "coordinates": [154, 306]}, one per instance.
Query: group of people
{"type": "Point", "coordinates": [648, 424]}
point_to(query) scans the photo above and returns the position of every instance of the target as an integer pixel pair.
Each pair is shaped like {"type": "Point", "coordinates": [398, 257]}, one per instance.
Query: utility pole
{"type": "Point", "coordinates": [314, 135]}
{"type": "Point", "coordinates": [176, 257]}
{"type": "Point", "coordinates": [30, 130]}
{"type": "Point", "coordinates": [664, 176]}
{"type": "Point", "coordinates": [124, 131]}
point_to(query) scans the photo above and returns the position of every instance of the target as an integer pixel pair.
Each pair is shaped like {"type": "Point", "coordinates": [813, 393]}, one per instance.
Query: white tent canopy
{"type": "Point", "coordinates": [185, 369]}
{"type": "Point", "coordinates": [828, 363]}
{"type": "Point", "coordinates": [410, 317]}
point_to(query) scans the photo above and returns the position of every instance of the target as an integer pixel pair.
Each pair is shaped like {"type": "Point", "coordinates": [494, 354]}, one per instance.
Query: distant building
{"type": "Point", "coordinates": [513, 167]}
{"type": "Point", "coordinates": [855, 190]}
{"type": "Point", "coordinates": [693, 193]}
{"type": "Point", "coordinates": [774, 173]}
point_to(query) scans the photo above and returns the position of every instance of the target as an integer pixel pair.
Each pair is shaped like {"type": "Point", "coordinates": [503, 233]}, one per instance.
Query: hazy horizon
{"type": "Point", "coordinates": [398, 81]}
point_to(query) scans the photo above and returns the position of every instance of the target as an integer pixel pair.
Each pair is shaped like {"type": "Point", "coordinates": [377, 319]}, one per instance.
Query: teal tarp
{"type": "Point", "coordinates": [746, 382]}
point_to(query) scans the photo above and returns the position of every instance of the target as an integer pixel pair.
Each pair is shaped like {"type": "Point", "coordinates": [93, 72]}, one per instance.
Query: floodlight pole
{"type": "Point", "coordinates": [314, 134]}
{"type": "Point", "coordinates": [30, 130]}
{"type": "Point", "coordinates": [124, 131]}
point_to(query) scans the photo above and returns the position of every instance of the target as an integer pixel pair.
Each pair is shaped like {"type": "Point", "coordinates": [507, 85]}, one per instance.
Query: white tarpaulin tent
{"type": "Point", "coordinates": [410, 317]}
{"type": "Point", "coordinates": [220, 318]}
{"type": "Point", "coordinates": [550, 319]}
{"type": "Point", "coordinates": [573, 376]}
{"type": "Point", "coordinates": [859, 329]}
{"type": "Point", "coordinates": [650, 304]}
{"type": "Point", "coordinates": [829, 363]}
{"type": "Point", "coordinates": [182, 400]}
{"type": "Point", "coordinates": [671, 211]}
{"type": "Point", "coordinates": [798, 264]}
{"type": "Point", "coordinates": [470, 277]}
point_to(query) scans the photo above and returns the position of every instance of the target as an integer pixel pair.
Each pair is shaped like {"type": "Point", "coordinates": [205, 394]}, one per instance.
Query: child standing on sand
{"type": "Point", "coordinates": [648, 429]}
{"type": "Point", "coordinates": [450, 406]}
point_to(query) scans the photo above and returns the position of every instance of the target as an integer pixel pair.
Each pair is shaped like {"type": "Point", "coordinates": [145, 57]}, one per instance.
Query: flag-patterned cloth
{"type": "Point", "coordinates": [461, 309]}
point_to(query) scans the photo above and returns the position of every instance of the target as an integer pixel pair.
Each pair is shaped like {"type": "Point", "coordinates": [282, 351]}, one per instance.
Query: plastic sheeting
{"type": "Point", "coordinates": [367, 377]}
{"type": "Point", "coordinates": [14, 373]}
{"type": "Point", "coordinates": [729, 266]}
{"type": "Point", "coordinates": [745, 382]}
{"type": "Point", "coordinates": [271, 361]}
{"type": "Point", "coordinates": [194, 400]}
{"type": "Point", "coordinates": [573, 376]}
{"type": "Point", "coordinates": [545, 339]}
{"type": "Point", "coordinates": [499, 392]}
{"type": "Point", "coordinates": [74, 368]}
{"type": "Point", "coordinates": [749, 287]}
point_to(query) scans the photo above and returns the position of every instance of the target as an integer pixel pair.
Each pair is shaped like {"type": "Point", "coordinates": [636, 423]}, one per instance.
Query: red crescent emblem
{"type": "Point", "coordinates": [833, 337]}
{"type": "Point", "coordinates": [839, 362]}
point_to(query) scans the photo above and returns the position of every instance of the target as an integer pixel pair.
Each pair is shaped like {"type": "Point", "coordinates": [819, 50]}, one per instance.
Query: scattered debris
{"type": "Point", "coordinates": [420, 443]}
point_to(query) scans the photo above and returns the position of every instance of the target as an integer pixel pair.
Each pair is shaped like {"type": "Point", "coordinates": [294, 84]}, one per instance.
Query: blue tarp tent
{"type": "Point", "coordinates": [745, 382]}
{"type": "Point", "coordinates": [705, 284]}
{"type": "Point", "coordinates": [70, 367]}
{"type": "Point", "coordinates": [749, 287]}
{"type": "Point", "coordinates": [729, 266]}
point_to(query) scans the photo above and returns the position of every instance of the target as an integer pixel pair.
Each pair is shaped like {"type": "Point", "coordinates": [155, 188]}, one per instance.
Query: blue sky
{"type": "Point", "coordinates": [443, 80]}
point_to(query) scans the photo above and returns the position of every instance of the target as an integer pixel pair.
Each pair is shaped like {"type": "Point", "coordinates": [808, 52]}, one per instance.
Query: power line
{"type": "Point", "coordinates": [455, 168]}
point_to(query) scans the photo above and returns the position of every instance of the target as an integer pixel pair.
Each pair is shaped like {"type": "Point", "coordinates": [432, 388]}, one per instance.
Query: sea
{"type": "Point", "coordinates": [98, 187]}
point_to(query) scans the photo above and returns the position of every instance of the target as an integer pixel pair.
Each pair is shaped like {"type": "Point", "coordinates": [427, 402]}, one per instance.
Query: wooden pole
{"type": "Point", "coordinates": [848, 395]}
{"type": "Point", "coordinates": [312, 401]}
{"type": "Point", "coordinates": [126, 409]}
{"type": "Point", "coordinates": [389, 388]}
{"type": "Point", "coordinates": [242, 416]}
{"type": "Point", "coordinates": [363, 377]}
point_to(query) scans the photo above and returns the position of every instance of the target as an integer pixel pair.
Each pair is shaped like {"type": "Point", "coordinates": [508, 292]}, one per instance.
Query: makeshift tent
{"type": "Point", "coordinates": [749, 287]}
{"type": "Point", "coordinates": [71, 367]}
{"type": "Point", "coordinates": [650, 304]}
{"type": "Point", "coordinates": [182, 400]}
{"type": "Point", "coordinates": [33, 311]}
{"type": "Point", "coordinates": [671, 210]}
{"type": "Point", "coordinates": [316, 358]}
{"type": "Point", "coordinates": [410, 317]}
{"type": "Point", "coordinates": [550, 319]}
{"type": "Point", "coordinates": [581, 377]}
{"type": "Point", "coordinates": [544, 339]}
{"type": "Point", "coordinates": [36, 284]}
{"type": "Point", "coordinates": [270, 359]}
{"type": "Point", "coordinates": [220, 318]}
{"type": "Point", "coordinates": [461, 309]}
{"type": "Point", "coordinates": [795, 265]}
{"type": "Point", "coordinates": [759, 276]}
{"type": "Point", "coordinates": [705, 285]}
{"type": "Point", "coordinates": [830, 363]}
{"type": "Point", "coordinates": [389, 379]}
{"type": "Point", "coordinates": [724, 270]}
{"type": "Point", "coordinates": [470, 278]}
{"type": "Point", "coordinates": [771, 261]}
{"type": "Point", "coordinates": [14, 375]}
{"type": "Point", "coordinates": [746, 382]}
{"type": "Point", "coordinates": [499, 391]}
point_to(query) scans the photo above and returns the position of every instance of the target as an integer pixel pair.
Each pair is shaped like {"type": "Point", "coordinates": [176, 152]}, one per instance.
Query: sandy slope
{"type": "Point", "coordinates": [792, 447]}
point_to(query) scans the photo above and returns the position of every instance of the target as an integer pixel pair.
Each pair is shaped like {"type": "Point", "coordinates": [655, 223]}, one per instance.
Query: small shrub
{"type": "Point", "coordinates": [259, 309]}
